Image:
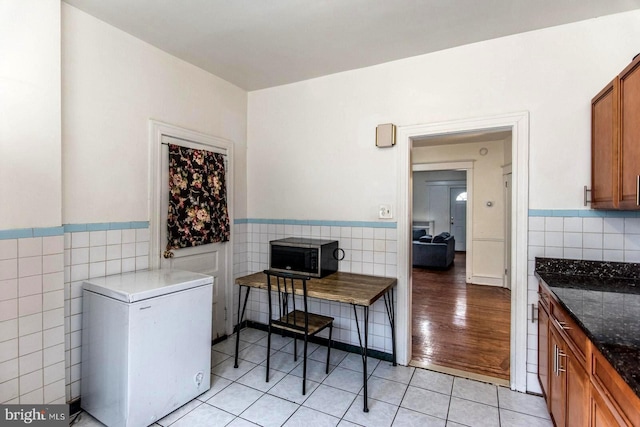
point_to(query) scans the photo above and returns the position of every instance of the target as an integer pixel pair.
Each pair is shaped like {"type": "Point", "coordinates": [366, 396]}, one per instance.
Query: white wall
{"type": "Point", "coordinates": [113, 83]}
{"type": "Point", "coordinates": [593, 238]}
{"type": "Point", "coordinates": [30, 114]}
{"type": "Point", "coordinates": [32, 364]}
{"type": "Point", "coordinates": [312, 147]}
{"type": "Point", "coordinates": [423, 197]}
{"type": "Point", "coordinates": [487, 180]}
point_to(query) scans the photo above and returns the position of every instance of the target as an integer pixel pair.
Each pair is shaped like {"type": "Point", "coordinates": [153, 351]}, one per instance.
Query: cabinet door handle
{"type": "Point", "coordinates": [586, 199]}
{"type": "Point", "coordinates": [638, 190]}
{"type": "Point", "coordinates": [555, 359]}
{"type": "Point", "coordinates": [560, 368]}
{"type": "Point", "coordinates": [533, 313]}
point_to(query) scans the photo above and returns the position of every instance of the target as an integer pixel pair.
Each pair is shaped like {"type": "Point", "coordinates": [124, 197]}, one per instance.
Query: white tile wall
{"type": "Point", "coordinates": [89, 254]}
{"type": "Point", "coordinates": [31, 317]}
{"type": "Point", "coordinates": [585, 238]}
{"type": "Point", "coordinates": [367, 251]}
{"type": "Point", "coordinates": [374, 250]}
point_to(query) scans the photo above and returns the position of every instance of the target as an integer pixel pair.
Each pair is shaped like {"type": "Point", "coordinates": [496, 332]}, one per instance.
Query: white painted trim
{"type": "Point", "coordinates": [453, 184]}
{"type": "Point", "coordinates": [518, 123]}
{"type": "Point", "coordinates": [156, 131]}
{"type": "Point", "coordinates": [459, 165]}
{"type": "Point", "coordinates": [488, 281]}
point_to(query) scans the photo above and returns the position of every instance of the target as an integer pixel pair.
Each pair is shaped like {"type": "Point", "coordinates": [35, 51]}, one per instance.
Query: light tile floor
{"type": "Point", "coordinates": [398, 396]}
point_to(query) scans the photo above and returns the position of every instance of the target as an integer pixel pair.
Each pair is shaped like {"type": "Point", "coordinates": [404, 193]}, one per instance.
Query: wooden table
{"type": "Point", "coordinates": [359, 290]}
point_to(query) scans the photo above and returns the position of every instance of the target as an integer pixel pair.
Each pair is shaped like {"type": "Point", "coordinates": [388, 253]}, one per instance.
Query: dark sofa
{"type": "Point", "coordinates": [433, 252]}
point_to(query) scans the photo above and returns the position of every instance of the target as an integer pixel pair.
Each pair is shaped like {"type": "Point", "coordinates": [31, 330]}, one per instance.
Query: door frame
{"type": "Point", "coordinates": [156, 130]}
{"type": "Point", "coordinates": [507, 179]}
{"type": "Point", "coordinates": [451, 212]}
{"type": "Point", "coordinates": [518, 123]}
{"type": "Point", "coordinates": [467, 166]}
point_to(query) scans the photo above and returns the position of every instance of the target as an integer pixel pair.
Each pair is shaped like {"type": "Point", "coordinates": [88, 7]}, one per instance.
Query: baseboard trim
{"type": "Point", "coordinates": [219, 339]}
{"type": "Point", "coordinates": [74, 406]}
{"type": "Point", "coordinates": [388, 357]}
{"type": "Point", "coordinates": [487, 280]}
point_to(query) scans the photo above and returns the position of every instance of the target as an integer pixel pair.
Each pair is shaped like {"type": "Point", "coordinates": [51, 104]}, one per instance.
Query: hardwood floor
{"type": "Point", "coordinates": [459, 326]}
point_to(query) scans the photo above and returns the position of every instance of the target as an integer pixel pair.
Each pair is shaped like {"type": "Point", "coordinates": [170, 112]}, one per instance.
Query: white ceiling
{"type": "Point", "coordinates": [256, 44]}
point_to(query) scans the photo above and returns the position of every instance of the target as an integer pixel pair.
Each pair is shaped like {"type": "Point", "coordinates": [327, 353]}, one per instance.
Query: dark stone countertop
{"type": "Point", "coordinates": [606, 303]}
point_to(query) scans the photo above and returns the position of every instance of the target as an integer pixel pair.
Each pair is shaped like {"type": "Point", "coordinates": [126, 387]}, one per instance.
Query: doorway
{"type": "Point", "coordinates": [507, 230]}
{"type": "Point", "coordinates": [518, 124]}
{"type": "Point", "coordinates": [213, 259]}
{"type": "Point", "coordinates": [460, 325]}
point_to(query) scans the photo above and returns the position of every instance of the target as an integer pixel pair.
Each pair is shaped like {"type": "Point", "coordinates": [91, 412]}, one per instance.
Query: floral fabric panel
{"type": "Point", "coordinates": [197, 198]}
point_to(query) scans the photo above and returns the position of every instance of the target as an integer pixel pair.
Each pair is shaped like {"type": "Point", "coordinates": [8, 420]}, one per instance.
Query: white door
{"type": "Point", "coordinates": [208, 259]}
{"type": "Point", "coordinates": [458, 213]}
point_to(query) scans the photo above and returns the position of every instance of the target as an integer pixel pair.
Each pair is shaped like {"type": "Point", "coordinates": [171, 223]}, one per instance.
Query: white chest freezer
{"type": "Point", "coordinates": [146, 344]}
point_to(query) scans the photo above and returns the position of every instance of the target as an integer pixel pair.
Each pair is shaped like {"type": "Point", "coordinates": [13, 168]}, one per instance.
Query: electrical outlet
{"type": "Point", "coordinates": [385, 212]}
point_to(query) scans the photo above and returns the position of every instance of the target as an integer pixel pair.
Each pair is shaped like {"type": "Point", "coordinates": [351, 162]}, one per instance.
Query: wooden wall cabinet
{"type": "Point", "coordinates": [629, 135]}
{"type": "Point", "coordinates": [604, 147]}
{"type": "Point", "coordinates": [615, 142]}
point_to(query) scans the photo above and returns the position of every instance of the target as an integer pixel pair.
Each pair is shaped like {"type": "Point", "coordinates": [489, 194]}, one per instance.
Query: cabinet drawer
{"type": "Point", "coordinates": [617, 393]}
{"type": "Point", "coordinates": [603, 414]}
{"type": "Point", "coordinates": [571, 331]}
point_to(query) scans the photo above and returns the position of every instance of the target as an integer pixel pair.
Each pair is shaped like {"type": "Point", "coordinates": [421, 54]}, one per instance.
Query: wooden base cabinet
{"type": "Point", "coordinates": [568, 384]}
{"type": "Point", "coordinates": [601, 414]}
{"type": "Point", "coordinates": [615, 399]}
{"type": "Point", "coordinates": [580, 386]}
{"type": "Point", "coordinates": [543, 342]}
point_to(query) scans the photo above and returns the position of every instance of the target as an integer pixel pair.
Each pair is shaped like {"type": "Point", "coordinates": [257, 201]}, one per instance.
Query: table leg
{"type": "Point", "coordinates": [391, 314]}
{"type": "Point", "coordinates": [364, 350]}
{"type": "Point", "coordinates": [240, 317]}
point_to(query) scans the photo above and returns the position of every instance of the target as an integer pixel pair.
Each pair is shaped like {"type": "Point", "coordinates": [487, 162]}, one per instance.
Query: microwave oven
{"type": "Point", "coordinates": [310, 257]}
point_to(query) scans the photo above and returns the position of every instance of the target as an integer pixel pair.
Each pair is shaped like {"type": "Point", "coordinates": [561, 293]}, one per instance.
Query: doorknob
{"type": "Point", "coordinates": [451, 220]}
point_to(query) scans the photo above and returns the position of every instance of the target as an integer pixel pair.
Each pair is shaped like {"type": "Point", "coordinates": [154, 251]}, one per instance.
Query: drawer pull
{"type": "Point", "coordinates": [638, 190]}
{"type": "Point", "coordinates": [563, 325]}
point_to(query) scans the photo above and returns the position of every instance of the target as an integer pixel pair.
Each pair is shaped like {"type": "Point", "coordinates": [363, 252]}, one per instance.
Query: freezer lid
{"type": "Point", "coordinates": [141, 285]}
